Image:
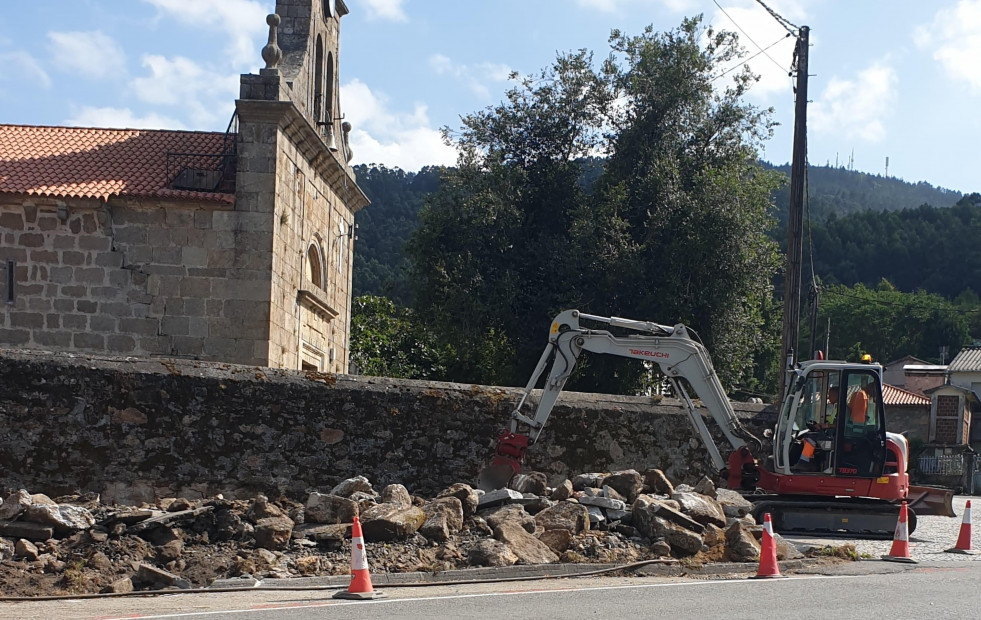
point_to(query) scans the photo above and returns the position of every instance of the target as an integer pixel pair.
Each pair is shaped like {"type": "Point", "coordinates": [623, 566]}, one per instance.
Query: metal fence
{"type": "Point", "coordinates": [943, 465]}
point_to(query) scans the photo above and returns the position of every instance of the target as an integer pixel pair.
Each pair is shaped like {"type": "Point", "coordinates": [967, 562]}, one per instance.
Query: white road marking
{"type": "Point", "coordinates": [384, 601]}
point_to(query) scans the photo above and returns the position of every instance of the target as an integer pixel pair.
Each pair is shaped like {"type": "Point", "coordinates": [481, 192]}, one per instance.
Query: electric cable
{"type": "Point", "coordinates": [762, 51]}
{"type": "Point", "coordinates": [734, 67]}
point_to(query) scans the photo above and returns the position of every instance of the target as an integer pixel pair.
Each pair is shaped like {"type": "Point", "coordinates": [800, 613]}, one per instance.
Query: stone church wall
{"type": "Point", "coordinates": [137, 278]}
{"type": "Point", "coordinates": [133, 429]}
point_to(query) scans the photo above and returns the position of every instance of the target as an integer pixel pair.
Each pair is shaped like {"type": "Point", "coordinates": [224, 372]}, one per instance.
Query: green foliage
{"type": "Point", "coordinates": [673, 228]}
{"type": "Point", "coordinates": [388, 341]}
{"type": "Point", "coordinates": [889, 324]}
{"type": "Point", "coordinates": [380, 264]}
{"type": "Point", "coordinates": [934, 249]}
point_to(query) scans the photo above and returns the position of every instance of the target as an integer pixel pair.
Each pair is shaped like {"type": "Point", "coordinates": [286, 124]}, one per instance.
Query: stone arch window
{"type": "Point", "coordinates": [329, 101]}
{"type": "Point", "coordinates": [315, 266]}
{"type": "Point", "coordinates": [318, 81]}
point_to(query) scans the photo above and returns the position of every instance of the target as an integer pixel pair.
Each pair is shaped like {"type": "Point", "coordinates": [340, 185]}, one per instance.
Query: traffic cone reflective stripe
{"type": "Point", "coordinates": [360, 588]}
{"type": "Point", "coordinates": [899, 552]}
{"type": "Point", "coordinates": [963, 544]}
{"type": "Point", "coordinates": [768, 568]}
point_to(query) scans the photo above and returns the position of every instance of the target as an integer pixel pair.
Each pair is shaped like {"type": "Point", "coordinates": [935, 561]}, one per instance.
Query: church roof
{"type": "Point", "coordinates": [79, 162]}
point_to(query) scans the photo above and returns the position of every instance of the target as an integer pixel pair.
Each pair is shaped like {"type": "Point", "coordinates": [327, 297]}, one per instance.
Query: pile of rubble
{"type": "Point", "coordinates": [75, 544]}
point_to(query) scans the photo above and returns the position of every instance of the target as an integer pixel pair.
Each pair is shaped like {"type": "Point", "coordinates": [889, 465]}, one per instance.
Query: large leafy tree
{"type": "Point", "coordinates": [888, 324]}
{"type": "Point", "coordinates": [388, 341]}
{"type": "Point", "coordinates": [672, 229]}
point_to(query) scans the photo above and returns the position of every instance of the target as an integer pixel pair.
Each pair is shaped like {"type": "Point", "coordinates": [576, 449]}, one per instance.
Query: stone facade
{"type": "Point", "coordinates": [258, 272]}
{"type": "Point", "coordinates": [134, 428]}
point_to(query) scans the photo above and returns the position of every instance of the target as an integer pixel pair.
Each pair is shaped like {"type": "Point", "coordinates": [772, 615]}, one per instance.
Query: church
{"type": "Point", "coordinates": [231, 246]}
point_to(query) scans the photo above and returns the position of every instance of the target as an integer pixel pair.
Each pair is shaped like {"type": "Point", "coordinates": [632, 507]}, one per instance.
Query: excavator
{"type": "Point", "coordinates": [833, 469]}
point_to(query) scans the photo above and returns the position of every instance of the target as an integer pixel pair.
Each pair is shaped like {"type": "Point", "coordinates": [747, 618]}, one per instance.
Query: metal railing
{"type": "Point", "coordinates": [943, 465]}
{"type": "Point", "coordinates": [206, 172]}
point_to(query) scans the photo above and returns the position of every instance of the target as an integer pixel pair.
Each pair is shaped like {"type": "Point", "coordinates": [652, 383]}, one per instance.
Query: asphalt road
{"type": "Point", "coordinates": [902, 591]}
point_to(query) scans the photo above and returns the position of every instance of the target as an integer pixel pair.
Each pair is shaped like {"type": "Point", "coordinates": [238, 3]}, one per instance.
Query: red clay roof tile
{"type": "Point", "coordinates": [99, 163]}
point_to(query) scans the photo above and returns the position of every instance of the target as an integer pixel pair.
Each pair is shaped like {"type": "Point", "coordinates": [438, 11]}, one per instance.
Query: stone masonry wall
{"type": "Point", "coordinates": [133, 429]}
{"type": "Point", "coordinates": [137, 278]}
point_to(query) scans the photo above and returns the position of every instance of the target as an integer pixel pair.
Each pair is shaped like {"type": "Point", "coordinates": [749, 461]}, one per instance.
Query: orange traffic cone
{"type": "Point", "coordinates": [963, 544]}
{"type": "Point", "coordinates": [899, 552]}
{"type": "Point", "coordinates": [360, 588]}
{"type": "Point", "coordinates": [768, 568]}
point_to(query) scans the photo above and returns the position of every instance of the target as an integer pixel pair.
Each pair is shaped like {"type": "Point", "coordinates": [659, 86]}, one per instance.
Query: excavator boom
{"type": "Point", "coordinates": [669, 347]}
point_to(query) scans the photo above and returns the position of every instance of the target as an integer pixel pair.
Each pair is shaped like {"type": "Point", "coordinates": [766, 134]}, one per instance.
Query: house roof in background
{"type": "Point", "coordinates": [80, 162]}
{"type": "Point", "coordinates": [895, 396]}
{"type": "Point", "coordinates": [906, 359]}
{"type": "Point", "coordinates": [968, 360]}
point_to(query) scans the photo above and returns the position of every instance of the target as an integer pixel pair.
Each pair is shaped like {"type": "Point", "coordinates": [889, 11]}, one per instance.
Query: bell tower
{"type": "Point", "coordinates": [296, 187]}
{"type": "Point", "coordinates": [309, 35]}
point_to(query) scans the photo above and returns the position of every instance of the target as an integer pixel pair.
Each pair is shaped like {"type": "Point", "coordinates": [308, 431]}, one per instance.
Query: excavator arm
{"type": "Point", "coordinates": [670, 347]}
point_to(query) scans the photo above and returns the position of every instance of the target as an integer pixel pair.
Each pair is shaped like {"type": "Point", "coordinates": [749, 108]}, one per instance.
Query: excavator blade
{"type": "Point", "coordinates": [494, 476]}
{"type": "Point", "coordinates": [933, 501]}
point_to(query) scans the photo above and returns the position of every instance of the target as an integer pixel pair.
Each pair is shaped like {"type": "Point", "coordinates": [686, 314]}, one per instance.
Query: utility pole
{"type": "Point", "coordinates": [791, 290]}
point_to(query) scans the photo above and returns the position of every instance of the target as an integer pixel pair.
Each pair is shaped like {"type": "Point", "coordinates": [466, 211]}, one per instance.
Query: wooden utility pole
{"type": "Point", "coordinates": [791, 290]}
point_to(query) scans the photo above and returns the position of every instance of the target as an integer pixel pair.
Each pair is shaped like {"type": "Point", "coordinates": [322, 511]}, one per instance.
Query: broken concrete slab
{"type": "Point", "coordinates": [498, 498]}
{"type": "Point", "coordinates": [25, 529]}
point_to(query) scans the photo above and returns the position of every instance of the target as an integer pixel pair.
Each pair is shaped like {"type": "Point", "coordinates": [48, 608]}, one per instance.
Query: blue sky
{"type": "Point", "coordinates": [890, 78]}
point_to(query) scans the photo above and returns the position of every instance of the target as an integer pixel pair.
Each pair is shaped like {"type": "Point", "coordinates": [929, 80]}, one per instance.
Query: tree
{"type": "Point", "coordinates": [673, 228]}
{"type": "Point", "coordinates": [888, 323]}
{"type": "Point", "coordinates": [387, 341]}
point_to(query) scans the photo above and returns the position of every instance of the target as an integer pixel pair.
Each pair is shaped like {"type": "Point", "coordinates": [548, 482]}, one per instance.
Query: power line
{"type": "Point", "coordinates": [791, 28]}
{"type": "Point", "coordinates": [733, 68]}
{"type": "Point", "coordinates": [762, 51]}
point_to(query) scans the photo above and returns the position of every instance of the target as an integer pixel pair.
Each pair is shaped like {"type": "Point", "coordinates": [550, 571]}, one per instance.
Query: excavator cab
{"type": "Point", "coordinates": [832, 423]}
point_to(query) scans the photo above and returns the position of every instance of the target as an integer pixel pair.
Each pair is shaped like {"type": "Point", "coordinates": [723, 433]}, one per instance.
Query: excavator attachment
{"type": "Point", "coordinates": [932, 501]}
{"type": "Point", "coordinates": [505, 463]}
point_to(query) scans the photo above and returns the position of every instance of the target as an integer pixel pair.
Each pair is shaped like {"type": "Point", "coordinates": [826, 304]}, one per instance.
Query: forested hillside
{"type": "Point", "coordinates": [922, 248]}
{"type": "Point", "coordinates": [380, 263]}
{"type": "Point", "coordinates": [841, 191]}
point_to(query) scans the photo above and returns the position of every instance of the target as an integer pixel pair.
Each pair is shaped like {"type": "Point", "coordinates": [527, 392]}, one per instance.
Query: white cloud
{"type": "Point", "coordinates": [856, 108]}
{"type": "Point", "coordinates": [243, 21]}
{"type": "Point", "coordinates": [92, 54]}
{"type": "Point", "coordinates": [386, 9]}
{"type": "Point", "coordinates": [180, 82]}
{"type": "Point", "coordinates": [382, 136]}
{"type": "Point", "coordinates": [758, 30]}
{"type": "Point", "coordinates": [21, 65]}
{"type": "Point", "coordinates": [122, 118]}
{"type": "Point", "coordinates": [475, 77]}
{"type": "Point", "coordinates": [954, 39]}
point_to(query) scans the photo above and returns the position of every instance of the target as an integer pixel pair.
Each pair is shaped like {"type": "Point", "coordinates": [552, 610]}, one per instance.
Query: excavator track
{"type": "Point", "coordinates": [822, 516]}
